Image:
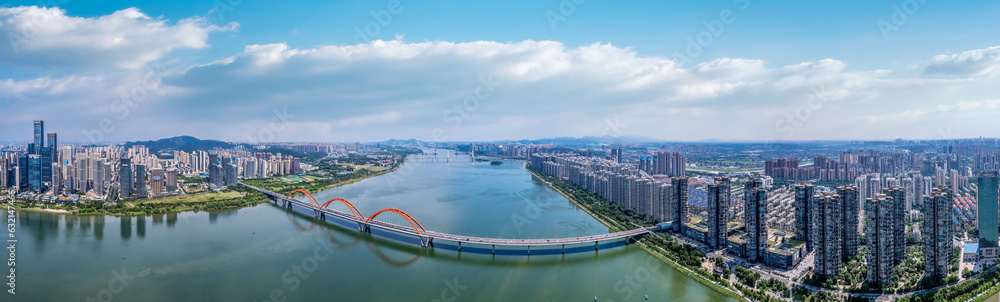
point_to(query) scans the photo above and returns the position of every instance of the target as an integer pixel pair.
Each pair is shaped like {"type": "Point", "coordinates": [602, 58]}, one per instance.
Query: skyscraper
{"type": "Point", "coordinates": [170, 179]}
{"type": "Point", "coordinates": [35, 173]}
{"type": "Point", "coordinates": [804, 200]}
{"type": "Point", "coordinates": [988, 226]}
{"type": "Point", "coordinates": [48, 158]}
{"type": "Point", "coordinates": [140, 180]}
{"type": "Point", "coordinates": [829, 240]}
{"type": "Point", "coordinates": [718, 206]}
{"type": "Point", "coordinates": [849, 196]}
{"type": "Point", "coordinates": [39, 137]}
{"type": "Point", "coordinates": [156, 181]}
{"type": "Point", "coordinates": [125, 179]}
{"type": "Point", "coordinates": [755, 218]}
{"type": "Point", "coordinates": [897, 197]}
{"type": "Point", "coordinates": [880, 241]}
{"type": "Point", "coordinates": [938, 232]}
{"type": "Point", "coordinates": [679, 203]}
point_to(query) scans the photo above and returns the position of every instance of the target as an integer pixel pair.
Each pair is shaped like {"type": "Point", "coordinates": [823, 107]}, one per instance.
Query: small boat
{"type": "Point", "coordinates": [647, 297]}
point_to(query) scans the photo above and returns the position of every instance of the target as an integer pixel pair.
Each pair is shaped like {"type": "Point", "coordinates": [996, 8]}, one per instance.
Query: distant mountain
{"type": "Point", "coordinates": [180, 143]}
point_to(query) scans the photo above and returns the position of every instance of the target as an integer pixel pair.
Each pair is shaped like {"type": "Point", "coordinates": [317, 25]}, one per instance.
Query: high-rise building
{"type": "Point", "coordinates": [940, 178]}
{"type": "Point", "coordinates": [938, 232]}
{"type": "Point", "coordinates": [125, 179]}
{"type": "Point", "coordinates": [140, 180]}
{"type": "Point", "coordinates": [39, 138]}
{"type": "Point", "coordinates": [897, 198]}
{"type": "Point", "coordinates": [170, 179]}
{"type": "Point", "coordinates": [987, 208]}
{"type": "Point", "coordinates": [849, 196]}
{"type": "Point", "coordinates": [35, 183]}
{"type": "Point", "coordinates": [755, 219]}
{"type": "Point", "coordinates": [157, 181]}
{"type": "Point", "coordinates": [879, 236]}
{"type": "Point", "coordinates": [48, 158]}
{"type": "Point", "coordinates": [804, 200]}
{"type": "Point", "coordinates": [232, 172]}
{"type": "Point", "coordinates": [679, 203]}
{"type": "Point", "coordinates": [98, 181]}
{"type": "Point", "coordinates": [829, 222]}
{"type": "Point", "coordinates": [718, 206]}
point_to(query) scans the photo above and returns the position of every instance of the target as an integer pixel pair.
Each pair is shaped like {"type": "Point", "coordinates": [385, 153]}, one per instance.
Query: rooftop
{"type": "Point", "coordinates": [970, 248]}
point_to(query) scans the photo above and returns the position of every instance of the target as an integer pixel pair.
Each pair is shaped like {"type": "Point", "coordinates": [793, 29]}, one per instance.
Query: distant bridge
{"type": "Point", "coordinates": [410, 231]}
{"type": "Point", "coordinates": [440, 159]}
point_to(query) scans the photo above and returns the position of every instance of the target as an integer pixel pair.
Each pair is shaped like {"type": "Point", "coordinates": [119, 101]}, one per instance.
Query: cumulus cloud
{"type": "Point", "coordinates": [126, 39]}
{"type": "Point", "coordinates": [967, 63]}
{"type": "Point", "coordinates": [484, 90]}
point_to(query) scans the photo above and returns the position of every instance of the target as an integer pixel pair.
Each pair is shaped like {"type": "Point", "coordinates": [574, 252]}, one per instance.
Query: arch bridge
{"type": "Point", "coordinates": [397, 225]}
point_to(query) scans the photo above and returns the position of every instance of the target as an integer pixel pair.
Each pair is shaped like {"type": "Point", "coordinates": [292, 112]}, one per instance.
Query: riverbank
{"type": "Point", "coordinates": [607, 222]}
{"type": "Point", "coordinates": [578, 204]}
{"type": "Point", "coordinates": [234, 198]}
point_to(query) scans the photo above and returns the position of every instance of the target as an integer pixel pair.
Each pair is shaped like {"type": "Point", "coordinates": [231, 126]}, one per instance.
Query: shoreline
{"type": "Point", "coordinates": [683, 270]}
{"type": "Point", "coordinates": [69, 212]}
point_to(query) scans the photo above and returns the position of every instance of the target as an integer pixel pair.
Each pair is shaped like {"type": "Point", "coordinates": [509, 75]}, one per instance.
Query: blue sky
{"type": "Point", "coordinates": [762, 69]}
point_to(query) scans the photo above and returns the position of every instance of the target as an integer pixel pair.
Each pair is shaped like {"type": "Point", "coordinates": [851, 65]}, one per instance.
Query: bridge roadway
{"type": "Point", "coordinates": [427, 238]}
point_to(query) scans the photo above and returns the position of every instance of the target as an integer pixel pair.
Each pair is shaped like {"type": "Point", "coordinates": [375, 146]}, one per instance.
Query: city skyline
{"type": "Point", "coordinates": [886, 71]}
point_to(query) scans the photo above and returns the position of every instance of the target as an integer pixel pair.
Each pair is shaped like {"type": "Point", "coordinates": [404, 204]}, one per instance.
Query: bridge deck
{"type": "Point", "coordinates": [460, 238]}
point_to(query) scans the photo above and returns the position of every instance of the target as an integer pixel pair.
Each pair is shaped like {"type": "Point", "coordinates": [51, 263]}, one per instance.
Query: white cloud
{"type": "Point", "coordinates": [968, 63]}
{"type": "Point", "coordinates": [126, 39]}
{"type": "Point", "coordinates": [529, 89]}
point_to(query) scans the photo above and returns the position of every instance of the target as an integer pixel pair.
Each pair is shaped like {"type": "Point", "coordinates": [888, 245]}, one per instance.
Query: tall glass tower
{"type": "Point", "coordinates": [39, 137]}
{"type": "Point", "coordinates": [988, 227]}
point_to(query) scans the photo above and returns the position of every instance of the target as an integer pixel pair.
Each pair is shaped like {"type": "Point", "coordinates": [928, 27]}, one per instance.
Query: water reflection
{"type": "Point", "coordinates": [99, 227]}
{"type": "Point", "coordinates": [140, 226]}
{"type": "Point", "coordinates": [125, 227]}
{"type": "Point", "coordinates": [171, 220]}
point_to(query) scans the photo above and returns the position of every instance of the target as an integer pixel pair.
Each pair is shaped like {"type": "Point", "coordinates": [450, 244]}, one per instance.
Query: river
{"type": "Point", "coordinates": [264, 253]}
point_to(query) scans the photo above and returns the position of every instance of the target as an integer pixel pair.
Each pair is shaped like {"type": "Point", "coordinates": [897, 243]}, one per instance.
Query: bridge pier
{"type": "Point", "coordinates": [564, 249]}
{"type": "Point", "coordinates": [459, 246]}
{"type": "Point", "coordinates": [595, 245]}
{"type": "Point", "coordinates": [494, 249]}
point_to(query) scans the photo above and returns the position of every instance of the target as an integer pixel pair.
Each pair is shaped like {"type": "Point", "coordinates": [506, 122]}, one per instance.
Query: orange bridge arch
{"type": "Point", "coordinates": [413, 222]}
{"type": "Point", "coordinates": [354, 210]}
{"type": "Point", "coordinates": [312, 200]}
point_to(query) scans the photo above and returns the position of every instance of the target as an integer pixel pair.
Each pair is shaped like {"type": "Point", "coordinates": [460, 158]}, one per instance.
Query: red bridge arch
{"type": "Point", "coordinates": [413, 222]}
{"type": "Point", "coordinates": [354, 210]}
{"type": "Point", "coordinates": [312, 200]}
